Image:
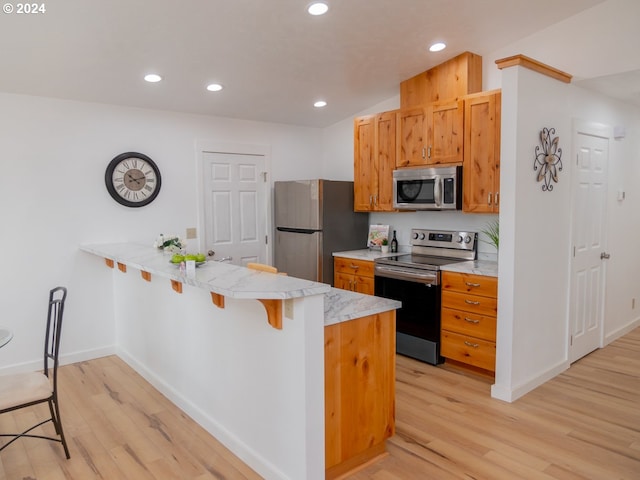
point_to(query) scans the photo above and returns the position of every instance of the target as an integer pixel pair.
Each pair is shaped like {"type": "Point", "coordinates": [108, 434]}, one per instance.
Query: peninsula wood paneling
{"type": "Point", "coordinates": [359, 389]}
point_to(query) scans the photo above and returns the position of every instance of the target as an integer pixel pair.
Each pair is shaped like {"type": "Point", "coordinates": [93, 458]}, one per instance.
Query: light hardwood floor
{"type": "Point", "coordinates": [584, 424]}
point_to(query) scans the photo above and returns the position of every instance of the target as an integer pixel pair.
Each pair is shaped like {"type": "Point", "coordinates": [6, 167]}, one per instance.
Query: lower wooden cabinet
{"type": "Point", "coordinates": [359, 369]}
{"type": "Point", "coordinates": [469, 318]}
{"type": "Point", "coordinates": [354, 275]}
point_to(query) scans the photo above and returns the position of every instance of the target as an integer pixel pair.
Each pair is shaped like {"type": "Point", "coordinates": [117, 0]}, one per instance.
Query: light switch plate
{"type": "Point", "coordinates": [191, 233]}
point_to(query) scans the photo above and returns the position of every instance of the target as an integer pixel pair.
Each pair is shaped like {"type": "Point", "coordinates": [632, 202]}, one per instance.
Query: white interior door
{"type": "Point", "coordinates": [589, 243]}
{"type": "Point", "coordinates": [236, 207]}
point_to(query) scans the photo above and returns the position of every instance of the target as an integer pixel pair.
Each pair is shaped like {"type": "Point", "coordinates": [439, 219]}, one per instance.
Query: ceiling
{"type": "Point", "coordinates": [273, 59]}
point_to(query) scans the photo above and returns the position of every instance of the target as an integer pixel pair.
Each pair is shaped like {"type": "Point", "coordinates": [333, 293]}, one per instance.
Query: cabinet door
{"type": "Point", "coordinates": [413, 135]}
{"type": "Point", "coordinates": [364, 181]}
{"type": "Point", "coordinates": [445, 132]}
{"type": "Point", "coordinates": [343, 281]}
{"type": "Point", "coordinates": [481, 177]}
{"type": "Point", "coordinates": [364, 285]}
{"type": "Point", "coordinates": [386, 159]}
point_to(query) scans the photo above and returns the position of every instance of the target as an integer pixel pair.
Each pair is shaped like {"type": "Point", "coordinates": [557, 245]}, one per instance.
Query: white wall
{"type": "Point", "coordinates": [602, 40]}
{"type": "Point", "coordinates": [52, 198]}
{"type": "Point", "coordinates": [535, 255]}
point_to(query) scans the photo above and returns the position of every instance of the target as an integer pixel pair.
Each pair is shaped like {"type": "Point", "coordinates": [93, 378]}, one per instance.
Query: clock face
{"type": "Point", "coordinates": [133, 179]}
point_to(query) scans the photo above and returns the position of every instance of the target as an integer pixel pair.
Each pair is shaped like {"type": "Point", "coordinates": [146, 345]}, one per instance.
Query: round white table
{"type": "Point", "coordinates": [5, 336]}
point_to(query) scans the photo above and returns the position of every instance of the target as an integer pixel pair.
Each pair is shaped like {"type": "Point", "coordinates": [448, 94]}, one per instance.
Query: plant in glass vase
{"type": "Point", "coordinates": [170, 243]}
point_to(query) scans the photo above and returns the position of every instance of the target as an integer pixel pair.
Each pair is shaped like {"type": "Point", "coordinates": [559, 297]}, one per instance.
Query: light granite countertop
{"type": "Point", "coordinates": [343, 305]}
{"type": "Point", "coordinates": [477, 267]}
{"type": "Point", "coordinates": [243, 283]}
{"type": "Point", "coordinates": [364, 254]}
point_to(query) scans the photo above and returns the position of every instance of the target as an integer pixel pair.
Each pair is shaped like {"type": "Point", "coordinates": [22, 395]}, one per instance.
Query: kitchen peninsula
{"type": "Point", "coordinates": [279, 369]}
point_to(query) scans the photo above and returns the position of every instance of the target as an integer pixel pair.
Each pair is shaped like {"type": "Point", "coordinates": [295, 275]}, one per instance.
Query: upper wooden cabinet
{"type": "Point", "coordinates": [431, 134]}
{"type": "Point", "coordinates": [374, 161]}
{"type": "Point", "coordinates": [481, 166]}
{"type": "Point", "coordinates": [452, 79]}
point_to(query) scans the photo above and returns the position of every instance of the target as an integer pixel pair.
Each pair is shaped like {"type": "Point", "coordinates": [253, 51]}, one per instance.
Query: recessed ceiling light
{"type": "Point", "coordinates": [152, 77]}
{"type": "Point", "coordinates": [320, 104]}
{"type": "Point", "coordinates": [318, 8]}
{"type": "Point", "coordinates": [436, 47]}
{"type": "Point", "coordinates": [214, 87]}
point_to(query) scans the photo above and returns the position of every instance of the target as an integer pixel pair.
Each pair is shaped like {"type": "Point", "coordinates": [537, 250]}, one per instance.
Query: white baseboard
{"type": "Point", "coordinates": [66, 359]}
{"type": "Point", "coordinates": [616, 334]}
{"type": "Point", "coordinates": [248, 455]}
{"type": "Point", "coordinates": [511, 394]}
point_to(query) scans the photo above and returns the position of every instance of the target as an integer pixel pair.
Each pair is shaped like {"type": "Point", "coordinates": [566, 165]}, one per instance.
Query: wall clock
{"type": "Point", "coordinates": [133, 179]}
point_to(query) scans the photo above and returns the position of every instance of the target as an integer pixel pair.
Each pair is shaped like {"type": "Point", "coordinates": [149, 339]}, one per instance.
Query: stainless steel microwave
{"type": "Point", "coordinates": [434, 188]}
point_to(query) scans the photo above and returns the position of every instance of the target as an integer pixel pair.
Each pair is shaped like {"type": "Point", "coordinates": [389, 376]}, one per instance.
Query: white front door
{"type": "Point", "coordinates": [589, 241]}
{"type": "Point", "coordinates": [236, 207]}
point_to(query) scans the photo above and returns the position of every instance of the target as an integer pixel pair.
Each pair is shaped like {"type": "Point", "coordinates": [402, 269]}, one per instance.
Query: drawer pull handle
{"type": "Point", "coordinates": [471, 302]}
{"type": "Point", "coordinates": [469, 284]}
{"type": "Point", "coordinates": [355, 267]}
{"type": "Point", "coordinates": [471, 320]}
{"type": "Point", "coordinates": [472, 345]}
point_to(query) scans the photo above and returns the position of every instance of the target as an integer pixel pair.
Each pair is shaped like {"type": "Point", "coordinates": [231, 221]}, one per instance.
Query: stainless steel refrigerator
{"type": "Point", "coordinates": [313, 219]}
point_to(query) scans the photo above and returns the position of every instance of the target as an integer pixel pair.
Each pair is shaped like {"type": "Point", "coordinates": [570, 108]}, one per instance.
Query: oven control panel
{"type": "Point", "coordinates": [443, 239]}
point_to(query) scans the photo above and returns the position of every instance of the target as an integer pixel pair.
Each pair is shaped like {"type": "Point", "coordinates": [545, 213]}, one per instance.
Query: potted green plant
{"type": "Point", "coordinates": [492, 232]}
{"type": "Point", "coordinates": [384, 248]}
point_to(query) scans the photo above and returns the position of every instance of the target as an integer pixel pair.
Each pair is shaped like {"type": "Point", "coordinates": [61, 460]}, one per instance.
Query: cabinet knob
{"type": "Point", "coordinates": [497, 198]}
{"type": "Point", "coordinates": [489, 199]}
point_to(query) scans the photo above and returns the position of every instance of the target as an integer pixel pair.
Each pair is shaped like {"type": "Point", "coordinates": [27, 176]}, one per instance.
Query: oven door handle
{"type": "Point", "coordinates": [426, 277]}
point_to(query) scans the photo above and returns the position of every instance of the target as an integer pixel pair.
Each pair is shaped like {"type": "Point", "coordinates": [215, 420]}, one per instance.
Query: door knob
{"type": "Point", "coordinates": [604, 256]}
{"type": "Point", "coordinates": [211, 253]}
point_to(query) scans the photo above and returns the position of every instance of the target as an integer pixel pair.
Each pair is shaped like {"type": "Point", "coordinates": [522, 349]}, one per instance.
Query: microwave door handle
{"type": "Point", "coordinates": [437, 191]}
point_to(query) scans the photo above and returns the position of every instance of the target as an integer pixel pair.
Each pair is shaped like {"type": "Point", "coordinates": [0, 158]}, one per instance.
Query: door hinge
{"type": "Point", "coordinates": [264, 177]}
{"type": "Point", "coordinates": [574, 251]}
{"type": "Point", "coordinates": [266, 239]}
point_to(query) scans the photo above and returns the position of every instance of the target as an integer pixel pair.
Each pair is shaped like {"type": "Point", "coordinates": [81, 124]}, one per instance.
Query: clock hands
{"type": "Point", "coordinates": [137, 180]}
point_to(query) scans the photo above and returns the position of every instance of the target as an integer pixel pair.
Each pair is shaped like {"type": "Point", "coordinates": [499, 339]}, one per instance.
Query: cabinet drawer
{"type": "Point", "coordinates": [348, 265]}
{"type": "Point", "coordinates": [470, 303]}
{"type": "Point", "coordinates": [480, 326]}
{"type": "Point", "coordinates": [469, 350]}
{"type": "Point", "coordinates": [469, 283]}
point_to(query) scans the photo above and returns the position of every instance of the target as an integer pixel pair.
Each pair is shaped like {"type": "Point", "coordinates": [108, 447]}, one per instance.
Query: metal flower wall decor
{"type": "Point", "coordinates": [548, 158]}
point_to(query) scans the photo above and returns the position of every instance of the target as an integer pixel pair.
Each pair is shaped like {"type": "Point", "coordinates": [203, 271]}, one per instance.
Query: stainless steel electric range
{"type": "Point", "coordinates": [414, 279]}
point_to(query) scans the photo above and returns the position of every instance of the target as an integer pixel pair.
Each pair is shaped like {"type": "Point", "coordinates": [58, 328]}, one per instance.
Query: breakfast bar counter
{"type": "Point", "coordinates": [279, 394]}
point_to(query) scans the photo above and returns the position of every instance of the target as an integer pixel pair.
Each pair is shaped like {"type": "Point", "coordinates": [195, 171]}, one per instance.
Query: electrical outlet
{"type": "Point", "coordinates": [191, 233]}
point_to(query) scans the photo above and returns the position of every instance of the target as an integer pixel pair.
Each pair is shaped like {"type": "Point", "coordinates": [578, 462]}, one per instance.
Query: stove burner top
{"type": "Point", "coordinates": [426, 262]}
{"type": "Point", "coordinates": [430, 249]}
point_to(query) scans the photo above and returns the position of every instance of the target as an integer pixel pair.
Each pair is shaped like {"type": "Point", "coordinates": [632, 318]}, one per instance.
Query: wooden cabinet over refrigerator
{"type": "Point", "coordinates": [374, 161]}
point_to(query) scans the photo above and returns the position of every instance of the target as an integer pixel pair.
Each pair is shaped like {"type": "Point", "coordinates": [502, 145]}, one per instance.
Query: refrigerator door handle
{"type": "Point", "coordinates": [297, 230]}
